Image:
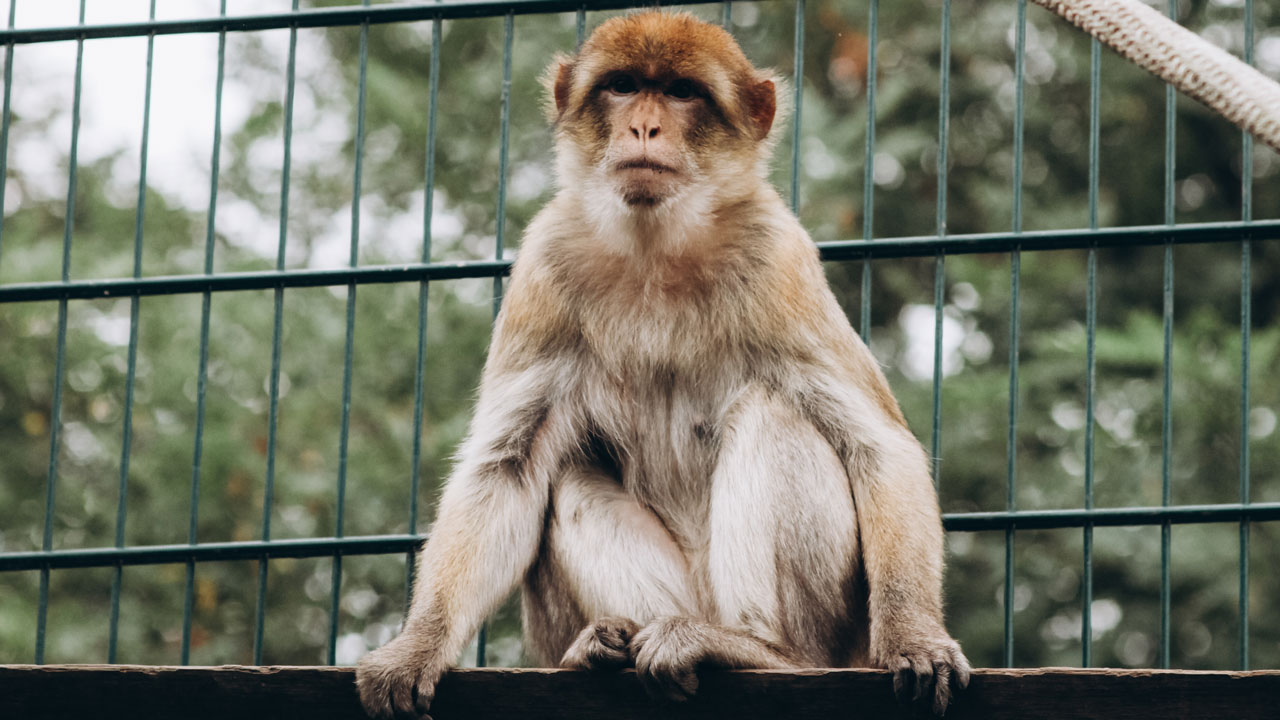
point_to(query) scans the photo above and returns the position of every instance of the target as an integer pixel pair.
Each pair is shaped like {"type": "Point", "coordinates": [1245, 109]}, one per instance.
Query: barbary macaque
{"type": "Point", "coordinates": [680, 447]}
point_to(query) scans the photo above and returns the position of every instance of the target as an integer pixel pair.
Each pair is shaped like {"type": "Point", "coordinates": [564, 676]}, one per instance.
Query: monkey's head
{"type": "Point", "coordinates": [659, 107]}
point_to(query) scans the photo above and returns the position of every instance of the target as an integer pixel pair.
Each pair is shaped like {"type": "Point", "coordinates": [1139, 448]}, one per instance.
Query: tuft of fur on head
{"type": "Point", "coordinates": [686, 47]}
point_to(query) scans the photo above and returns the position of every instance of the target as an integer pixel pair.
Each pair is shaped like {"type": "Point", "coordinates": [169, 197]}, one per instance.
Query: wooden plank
{"type": "Point", "coordinates": [106, 692]}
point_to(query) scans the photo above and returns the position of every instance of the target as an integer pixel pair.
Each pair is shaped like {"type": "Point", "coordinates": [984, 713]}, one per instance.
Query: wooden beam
{"type": "Point", "coordinates": [106, 692]}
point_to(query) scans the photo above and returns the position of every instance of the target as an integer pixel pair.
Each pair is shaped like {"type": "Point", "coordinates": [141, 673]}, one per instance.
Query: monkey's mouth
{"type": "Point", "coordinates": [645, 164]}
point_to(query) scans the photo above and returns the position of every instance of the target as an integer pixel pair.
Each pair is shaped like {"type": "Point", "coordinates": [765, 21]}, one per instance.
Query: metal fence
{"type": "Point", "coordinates": [940, 245]}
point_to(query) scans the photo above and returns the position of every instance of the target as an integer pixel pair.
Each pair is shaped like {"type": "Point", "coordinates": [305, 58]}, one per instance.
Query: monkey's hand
{"type": "Point", "coordinates": [398, 680]}
{"type": "Point", "coordinates": [603, 645]}
{"type": "Point", "coordinates": [927, 669]}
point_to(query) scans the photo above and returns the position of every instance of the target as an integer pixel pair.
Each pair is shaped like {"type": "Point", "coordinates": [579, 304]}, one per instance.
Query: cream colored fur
{"type": "Point", "coordinates": [683, 452]}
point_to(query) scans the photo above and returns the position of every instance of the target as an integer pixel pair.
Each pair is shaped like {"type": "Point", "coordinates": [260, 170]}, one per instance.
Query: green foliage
{"type": "Point", "coordinates": [1049, 438]}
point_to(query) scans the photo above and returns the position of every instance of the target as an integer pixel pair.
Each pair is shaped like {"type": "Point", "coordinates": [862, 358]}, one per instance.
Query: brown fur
{"type": "Point", "coordinates": [680, 448]}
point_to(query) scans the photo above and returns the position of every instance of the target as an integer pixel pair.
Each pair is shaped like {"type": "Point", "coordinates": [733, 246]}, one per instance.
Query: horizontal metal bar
{"type": "Point", "coordinates": [930, 245]}
{"type": "Point", "coordinates": [316, 17]}
{"type": "Point", "coordinates": [209, 552]}
{"type": "Point", "coordinates": [927, 245]}
{"type": "Point", "coordinates": [393, 544]}
{"type": "Point", "coordinates": [263, 280]}
{"type": "Point", "coordinates": [1109, 517]}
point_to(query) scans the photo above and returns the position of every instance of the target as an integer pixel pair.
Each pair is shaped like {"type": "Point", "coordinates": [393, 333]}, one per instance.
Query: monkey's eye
{"type": "Point", "coordinates": [623, 84]}
{"type": "Point", "coordinates": [682, 90]}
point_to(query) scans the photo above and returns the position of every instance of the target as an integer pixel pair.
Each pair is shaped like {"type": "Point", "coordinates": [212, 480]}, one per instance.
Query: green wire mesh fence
{"type": "Point", "coordinates": [265, 548]}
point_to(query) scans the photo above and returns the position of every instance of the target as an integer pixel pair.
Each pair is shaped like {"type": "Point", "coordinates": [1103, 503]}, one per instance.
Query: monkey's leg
{"type": "Point", "coordinates": [782, 557]}
{"type": "Point", "coordinates": [607, 564]}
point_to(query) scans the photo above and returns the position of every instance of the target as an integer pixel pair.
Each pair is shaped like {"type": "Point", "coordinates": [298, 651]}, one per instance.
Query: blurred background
{"type": "Point", "coordinates": [972, 470]}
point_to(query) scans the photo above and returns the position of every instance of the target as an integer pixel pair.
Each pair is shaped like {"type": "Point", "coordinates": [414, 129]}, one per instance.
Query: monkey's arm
{"type": "Point", "coordinates": [483, 540]}
{"type": "Point", "coordinates": [491, 513]}
{"type": "Point", "coordinates": [900, 531]}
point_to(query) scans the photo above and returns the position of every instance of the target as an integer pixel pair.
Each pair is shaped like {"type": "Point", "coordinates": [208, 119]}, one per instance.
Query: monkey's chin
{"type": "Point", "coordinates": [644, 194]}
{"type": "Point", "coordinates": [641, 199]}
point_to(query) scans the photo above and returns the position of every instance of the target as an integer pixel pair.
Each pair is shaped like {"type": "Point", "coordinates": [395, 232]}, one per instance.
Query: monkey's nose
{"type": "Point", "coordinates": [645, 131]}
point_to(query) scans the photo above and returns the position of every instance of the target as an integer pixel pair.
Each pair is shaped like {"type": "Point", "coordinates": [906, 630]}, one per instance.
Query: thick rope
{"type": "Point", "coordinates": [1181, 58]}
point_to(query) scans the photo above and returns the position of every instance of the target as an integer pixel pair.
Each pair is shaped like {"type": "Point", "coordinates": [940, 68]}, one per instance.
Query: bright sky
{"type": "Point", "coordinates": [183, 106]}
{"type": "Point", "coordinates": [182, 116]}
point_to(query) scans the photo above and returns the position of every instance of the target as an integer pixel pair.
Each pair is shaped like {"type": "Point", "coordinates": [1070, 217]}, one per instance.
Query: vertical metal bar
{"type": "Point", "coordinates": [508, 35]}
{"type": "Point", "coordinates": [203, 376]}
{"type": "Point", "coordinates": [1091, 331]}
{"type": "Point", "coordinates": [868, 166]}
{"type": "Point", "coordinates": [4, 119]}
{"type": "Point", "coordinates": [1019, 113]}
{"type": "Point", "coordinates": [126, 443]}
{"type": "Point", "coordinates": [1166, 425]}
{"type": "Point", "coordinates": [1011, 494]}
{"type": "Point", "coordinates": [277, 322]}
{"type": "Point", "coordinates": [939, 270]}
{"type": "Point", "coordinates": [1015, 272]}
{"type": "Point", "coordinates": [939, 288]}
{"type": "Point", "coordinates": [726, 14]}
{"type": "Point", "coordinates": [55, 421]}
{"type": "Point", "coordinates": [799, 106]}
{"type": "Point", "coordinates": [419, 379]}
{"type": "Point", "coordinates": [1246, 330]}
{"type": "Point", "coordinates": [581, 23]}
{"type": "Point", "coordinates": [349, 346]}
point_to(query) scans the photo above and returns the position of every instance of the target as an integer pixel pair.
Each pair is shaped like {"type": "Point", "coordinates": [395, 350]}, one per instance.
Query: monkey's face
{"type": "Point", "coordinates": [656, 106]}
{"type": "Point", "coordinates": [656, 126]}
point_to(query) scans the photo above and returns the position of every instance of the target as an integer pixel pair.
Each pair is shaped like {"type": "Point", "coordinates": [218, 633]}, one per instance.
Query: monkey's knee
{"type": "Point", "coordinates": [614, 553]}
{"type": "Point", "coordinates": [603, 645]}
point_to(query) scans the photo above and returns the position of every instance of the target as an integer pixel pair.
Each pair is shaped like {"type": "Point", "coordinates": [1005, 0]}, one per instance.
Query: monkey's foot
{"type": "Point", "coordinates": [668, 652]}
{"type": "Point", "coordinates": [603, 645]}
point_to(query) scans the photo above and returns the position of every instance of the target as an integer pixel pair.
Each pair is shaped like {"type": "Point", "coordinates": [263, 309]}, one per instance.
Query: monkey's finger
{"type": "Point", "coordinates": [942, 690]}
{"type": "Point", "coordinates": [688, 682]}
{"type": "Point", "coordinates": [903, 679]}
{"type": "Point", "coordinates": [424, 693]}
{"type": "Point", "coordinates": [595, 656]}
{"type": "Point", "coordinates": [383, 710]}
{"type": "Point", "coordinates": [398, 701]}
{"type": "Point", "coordinates": [376, 701]}
{"type": "Point", "coordinates": [923, 669]}
{"type": "Point", "coordinates": [962, 670]}
{"type": "Point", "coordinates": [652, 687]}
{"type": "Point", "coordinates": [605, 657]}
{"type": "Point", "coordinates": [663, 681]}
{"type": "Point", "coordinates": [616, 631]}
{"type": "Point", "coordinates": [666, 681]}
{"type": "Point", "coordinates": [674, 687]}
{"type": "Point", "coordinates": [608, 637]}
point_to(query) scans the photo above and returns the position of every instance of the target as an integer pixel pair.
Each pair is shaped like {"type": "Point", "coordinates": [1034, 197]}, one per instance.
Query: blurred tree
{"type": "Point", "coordinates": [976, 343]}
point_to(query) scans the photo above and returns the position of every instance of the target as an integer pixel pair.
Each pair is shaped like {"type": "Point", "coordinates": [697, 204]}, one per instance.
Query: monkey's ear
{"type": "Point", "coordinates": [762, 104]}
{"type": "Point", "coordinates": [560, 86]}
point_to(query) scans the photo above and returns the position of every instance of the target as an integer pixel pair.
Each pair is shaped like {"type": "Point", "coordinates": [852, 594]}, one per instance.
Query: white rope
{"type": "Point", "coordinates": [1181, 58]}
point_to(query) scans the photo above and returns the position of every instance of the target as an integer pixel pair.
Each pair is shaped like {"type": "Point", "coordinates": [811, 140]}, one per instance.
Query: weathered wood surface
{"type": "Point", "coordinates": [103, 692]}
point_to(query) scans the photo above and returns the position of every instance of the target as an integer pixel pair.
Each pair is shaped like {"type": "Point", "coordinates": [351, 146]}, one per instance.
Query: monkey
{"type": "Point", "coordinates": [680, 449]}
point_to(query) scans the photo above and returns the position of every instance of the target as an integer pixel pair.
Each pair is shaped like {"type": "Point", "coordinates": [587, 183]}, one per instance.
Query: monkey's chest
{"type": "Point", "coordinates": [661, 369]}
{"type": "Point", "coordinates": [661, 431]}
{"type": "Point", "coordinates": [669, 319]}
